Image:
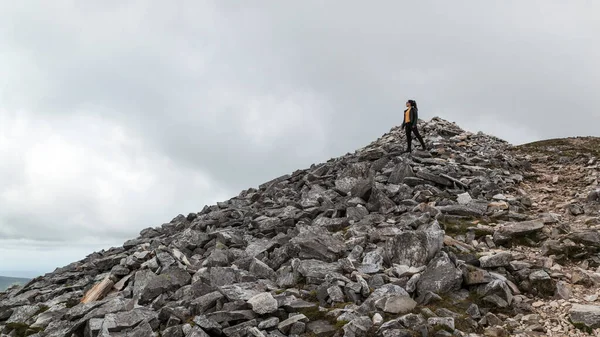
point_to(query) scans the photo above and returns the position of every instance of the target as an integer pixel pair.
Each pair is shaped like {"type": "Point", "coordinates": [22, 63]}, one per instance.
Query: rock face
{"type": "Point", "coordinates": [415, 248]}
{"type": "Point", "coordinates": [585, 315]}
{"type": "Point", "coordinates": [362, 245]}
{"type": "Point", "coordinates": [440, 277]}
{"type": "Point", "coordinates": [263, 303]}
{"type": "Point", "coordinates": [517, 230]}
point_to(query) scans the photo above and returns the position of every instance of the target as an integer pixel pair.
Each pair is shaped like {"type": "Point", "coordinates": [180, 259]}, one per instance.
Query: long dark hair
{"type": "Point", "coordinates": [412, 103]}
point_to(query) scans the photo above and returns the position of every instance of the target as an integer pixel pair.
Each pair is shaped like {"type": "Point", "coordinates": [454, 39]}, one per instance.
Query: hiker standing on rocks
{"type": "Point", "coordinates": [409, 124]}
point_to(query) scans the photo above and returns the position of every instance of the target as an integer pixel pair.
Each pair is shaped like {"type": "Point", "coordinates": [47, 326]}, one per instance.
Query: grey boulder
{"type": "Point", "coordinates": [263, 303]}
{"type": "Point", "coordinates": [440, 277]}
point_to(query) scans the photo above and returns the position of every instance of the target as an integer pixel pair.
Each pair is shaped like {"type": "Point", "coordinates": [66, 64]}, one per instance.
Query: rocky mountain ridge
{"type": "Point", "coordinates": [473, 237]}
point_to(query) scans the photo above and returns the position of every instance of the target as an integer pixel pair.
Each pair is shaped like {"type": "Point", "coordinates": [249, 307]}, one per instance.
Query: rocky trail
{"type": "Point", "coordinates": [474, 237]}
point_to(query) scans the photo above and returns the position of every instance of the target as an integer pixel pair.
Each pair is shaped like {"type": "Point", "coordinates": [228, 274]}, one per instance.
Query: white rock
{"type": "Point", "coordinates": [377, 319]}
{"type": "Point", "coordinates": [464, 198]}
{"type": "Point", "coordinates": [263, 303]}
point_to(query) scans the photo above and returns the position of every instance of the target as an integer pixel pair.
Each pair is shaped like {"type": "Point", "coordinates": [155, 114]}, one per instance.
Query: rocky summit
{"type": "Point", "coordinates": [474, 237]}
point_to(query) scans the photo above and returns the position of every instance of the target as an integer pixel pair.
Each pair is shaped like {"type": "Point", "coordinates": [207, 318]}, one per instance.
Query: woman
{"type": "Point", "coordinates": [411, 116]}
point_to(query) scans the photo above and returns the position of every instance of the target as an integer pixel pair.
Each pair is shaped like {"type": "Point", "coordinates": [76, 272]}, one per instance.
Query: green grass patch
{"type": "Point", "coordinates": [462, 226]}
{"type": "Point", "coordinates": [563, 147]}
{"type": "Point", "coordinates": [22, 329]}
{"type": "Point", "coordinates": [582, 327]}
{"type": "Point", "coordinates": [41, 310]}
{"type": "Point", "coordinates": [315, 314]}
{"type": "Point", "coordinates": [340, 324]}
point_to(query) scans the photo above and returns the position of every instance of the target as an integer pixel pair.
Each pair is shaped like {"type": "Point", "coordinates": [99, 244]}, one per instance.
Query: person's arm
{"type": "Point", "coordinates": [413, 117]}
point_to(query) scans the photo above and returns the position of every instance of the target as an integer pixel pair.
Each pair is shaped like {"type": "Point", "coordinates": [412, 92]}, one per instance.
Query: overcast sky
{"type": "Point", "coordinates": [118, 115]}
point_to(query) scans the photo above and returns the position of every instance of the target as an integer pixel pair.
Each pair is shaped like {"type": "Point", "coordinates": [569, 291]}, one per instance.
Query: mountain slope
{"type": "Point", "coordinates": [468, 237]}
{"type": "Point", "coordinates": [6, 282]}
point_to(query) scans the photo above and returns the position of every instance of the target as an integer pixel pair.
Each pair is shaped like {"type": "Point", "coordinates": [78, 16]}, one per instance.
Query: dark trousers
{"type": "Point", "coordinates": [409, 129]}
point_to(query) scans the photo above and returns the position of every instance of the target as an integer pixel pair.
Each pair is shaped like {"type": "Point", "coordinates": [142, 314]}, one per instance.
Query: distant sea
{"type": "Point", "coordinates": [6, 282]}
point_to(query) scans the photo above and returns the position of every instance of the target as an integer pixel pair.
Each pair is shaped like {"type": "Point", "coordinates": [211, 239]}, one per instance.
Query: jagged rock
{"type": "Point", "coordinates": [220, 276]}
{"type": "Point", "coordinates": [462, 210]}
{"type": "Point", "coordinates": [174, 331]}
{"type": "Point", "coordinates": [218, 258]}
{"type": "Point", "coordinates": [501, 259]}
{"type": "Point", "coordinates": [593, 196]}
{"type": "Point", "coordinates": [297, 328]}
{"type": "Point", "coordinates": [397, 304]}
{"type": "Point", "coordinates": [358, 327]}
{"type": "Point", "coordinates": [346, 184]}
{"type": "Point", "coordinates": [563, 290]}
{"type": "Point", "coordinates": [440, 277]}
{"type": "Point", "coordinates": [315, 270]}
{"type": "Point", "coordinates": [262, 270]}
{"type": "Point", "coordinates": [193, 331]}
{"type": "Point", "coordinates": [229, 316]}
{"type": "Point", "coordinates": [473, 311]}
{"type": "Point", "coordinates": [253, 331]}
{"type": "Point", "coordinates": [496, 292]}
{"type": "Point", "coordinates": [239, 330]}
{"type": "Point", "coordinates": [414, 248]}
{"type": "Point", "coordinates": [464, 198]}
{"type": "Point", "coordinates": [203, 303]}
{"type": "Point", "coordinates": [586, 237]}
{"type": "Point", "coordinates": [377, 319]}
{"type": "Point", "coordinates": [440, 180]}
{"type": "Point", "coordinates": [127, 320]}
{"type": "Point", "coordinates": [286, 277]}
{"type": "Point", "coordinates": [543, 283]}
{"type": "Point", "coordinates": [381, 295]}
{"type": "Point", "coordinates": [263, 303]}
{"type": "Point", "coordinates": [45, 318]}
{"type": "Point", "coordinates": [259, 246]}
{"type": "Point", "coordinates": [242, 291]}
{"type": "Point", "coordinates": [21, 315]}
{"type": "Point", "coordinates": [208, 325]}
{"type": "Point", "coordinates": [495, 331]}
{"type": "Point", "coordinates": [516, 230]}
{"type": "Point", "coordinates": [169, 280]}
{"type": "Point", "coordinates": [443, 322]}
{"type": "Point", "coordinates": [393, 324]}
{"type": "Point", "coordinates": [318, 243]}
{"type": "Point", "coordinates": [492, 320]}
{"type": "Point", "coordinates": [587, 316]}
{"type": "Point", "coordinates": [120, 271]}
{"type": "Point", "coordinates": [108, 262]}
{"type": "Point", "coordinates": [143, 329]}
{"type": "Point", "coordinates": [320, 328]}
{"type": "Point", "coordinates": [400, 172]}
{"type": "Point", "coordinates": [362, 189]}
{"type": "Point", "coordinates": [93, 327]}
{"type": "Point", "coordinates": [477, 276]}
{"type": "Point", "coordinates": [58, 329]}
{"type": "Point", "coordinates": [286, 325]}
{"type": "Point", "coordinates": [268, 323]}
{"type": "Point", "coordinates": [443, 312]}
{"type": "Point", "coordinates": [141, 280]}
{"type": "Point", "coordinates": [398, 333]}
{"type": "Point", "coordinates": [335, 294]}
